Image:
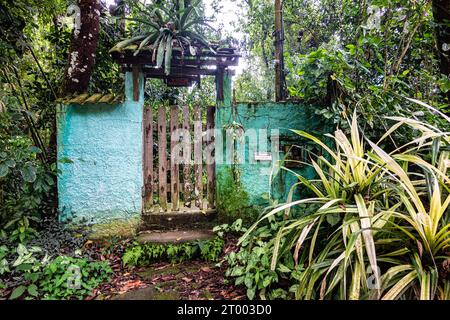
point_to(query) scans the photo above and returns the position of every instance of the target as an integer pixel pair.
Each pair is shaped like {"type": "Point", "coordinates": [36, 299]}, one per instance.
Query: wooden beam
{"type": "Point", "coordinates": [178, 72]}
{"type": "Point", "coordinates": [147, 55]}
{"type": "Point", "coordinates": [145, 60]}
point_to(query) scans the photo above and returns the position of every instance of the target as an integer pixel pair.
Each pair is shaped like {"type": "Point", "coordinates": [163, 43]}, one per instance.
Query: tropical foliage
{"type": "Point", "coordinates": [170, 27]}
{"type": "Point", "coordinates": [374, 223]}
{"type": "Point", "coordinates": [350, 55]}
{"type": "Point", "coordinates": [379, 230]}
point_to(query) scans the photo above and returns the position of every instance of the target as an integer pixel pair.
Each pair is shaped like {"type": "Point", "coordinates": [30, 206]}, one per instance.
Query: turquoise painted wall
{"type": "Point", "coordinates": [103, 179]}
{"type": "Point", "coordinates": [244, 189]}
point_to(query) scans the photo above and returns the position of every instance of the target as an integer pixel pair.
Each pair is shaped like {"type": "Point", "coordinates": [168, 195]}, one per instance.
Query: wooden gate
{"type": "Point", "coordinates": [179, 168]}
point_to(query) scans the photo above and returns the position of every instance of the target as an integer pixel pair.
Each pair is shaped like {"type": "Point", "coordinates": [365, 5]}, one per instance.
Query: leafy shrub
{"type": "Point", "coordinates": [54, 279]}
{"type": "Point", "coordinates": [380, 229]}
{"type": "Point", "coordinates": [236, 227]}
{"type": "Point", "coordinates": [68, 277]}
{"type": "Point", "coordinates": [251, 265]}
{"type": "Point", "coordinates": [24, 183]}
{"type": "Point", "coordinates": [144, 254]}
{"type": "Point", "coordinates": [341, 81]}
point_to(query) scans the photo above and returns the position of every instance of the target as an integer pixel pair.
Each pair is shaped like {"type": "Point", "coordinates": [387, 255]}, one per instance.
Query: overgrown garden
{"type": "Point", "coordinates": [374, 222]}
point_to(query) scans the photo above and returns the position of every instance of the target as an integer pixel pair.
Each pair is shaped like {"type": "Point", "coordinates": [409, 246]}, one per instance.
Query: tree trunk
{"type": "Point", "coordinates": [441, 14]}
{"type": "Point", "coordinates": [280, 94]}
{"type": "Point", "coordinates": [83, 47]}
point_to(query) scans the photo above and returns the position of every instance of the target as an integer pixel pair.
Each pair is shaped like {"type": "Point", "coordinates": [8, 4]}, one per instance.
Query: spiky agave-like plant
{"type": "Point", "coordinates": [168, 28]}
{"type": "Point", "coordinates": [392, 238]}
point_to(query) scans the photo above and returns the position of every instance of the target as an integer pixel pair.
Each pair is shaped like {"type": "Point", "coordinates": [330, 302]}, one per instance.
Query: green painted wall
{"type": "Point", "coordinates": [102, 181]}
{"type": "Point", "coordinates": [243, 189]}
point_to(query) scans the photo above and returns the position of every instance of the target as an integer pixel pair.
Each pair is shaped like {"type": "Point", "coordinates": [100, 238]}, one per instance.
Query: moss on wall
{"type": "Point", "coordinates": [233, 201]}
{"type": "Point", "coordinates": [269, 127]}
{"type": "Point", "coordinates": [115, 228]}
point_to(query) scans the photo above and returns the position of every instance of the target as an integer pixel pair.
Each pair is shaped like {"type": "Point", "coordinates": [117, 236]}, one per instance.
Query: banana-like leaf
{"type": "Point", "coordinates": [198, 22]}
{"type": "Point", "coordinates": [155, 46]}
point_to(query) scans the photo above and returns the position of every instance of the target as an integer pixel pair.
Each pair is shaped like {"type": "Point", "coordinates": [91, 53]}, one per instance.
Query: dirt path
{"type": "Point", "coordinates": [193, 280]}
{"type": "Point", "coordinates": [188, 280]}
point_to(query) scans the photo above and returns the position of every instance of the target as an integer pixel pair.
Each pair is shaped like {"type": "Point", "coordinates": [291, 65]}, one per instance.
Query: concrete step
{"type": "Point", "coordinates": [178, 220]}
{"type": "Point", "coordinates": [174, 236]}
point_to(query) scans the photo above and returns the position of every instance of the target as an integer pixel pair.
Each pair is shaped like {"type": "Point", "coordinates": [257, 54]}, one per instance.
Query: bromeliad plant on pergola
{"type": "Point", "coordinates": [167, 27]}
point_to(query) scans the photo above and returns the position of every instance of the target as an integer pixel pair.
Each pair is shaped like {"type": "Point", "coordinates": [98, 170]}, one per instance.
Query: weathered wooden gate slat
{"type": "Point", "coordinates": [174, 157]}
{"type": "Point", "coordinates": [148, 157]}
{"type": "Point", "coordinates": [187, 156]}
{"type": "Point", "coordinates": [210, 152]}
{"type": "Point", "coordinates": [198, 159]}
{"type": "Point", "coordinates": [162, 157]}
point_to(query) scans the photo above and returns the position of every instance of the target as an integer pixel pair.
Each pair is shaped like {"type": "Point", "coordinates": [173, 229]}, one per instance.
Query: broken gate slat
{"type": "Point", "coordinates": [174, 157]}
{"type": "Point", "coordinates": [148, 157]}
{"type": "Point", "coordinates": [162, 157]}
{"type": "Point", "coordinates": [210, 152]}
{"type": "Point", "coordinates": [198, 168]}
{"type": "Point", "coordinates": [187, 155]}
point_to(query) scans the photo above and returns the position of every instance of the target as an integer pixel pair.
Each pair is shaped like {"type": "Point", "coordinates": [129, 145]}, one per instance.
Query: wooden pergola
{"type": "Point", "coordinates": [186, 69]}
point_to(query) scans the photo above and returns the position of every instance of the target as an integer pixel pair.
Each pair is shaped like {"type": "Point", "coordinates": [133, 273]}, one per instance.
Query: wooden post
{"type": "Point", "coordinates": [187, 155]}
{"type": "Point", "coordinates": [198, 159]}
{"type": "Point", "coordinates": [136, 72]}
{"type": "Point", "coordinates": [148, 156]}
{"type": "Point", "coordinates": [174, 157]}
{"type": "Point", "coordinates": [219, 83]}
{"type": "Point", "coordinates": [210, 153]}
{"type": "Point", "coordinates": [162, 157]}
{"type": "Point", "coordinates": [280, 93]}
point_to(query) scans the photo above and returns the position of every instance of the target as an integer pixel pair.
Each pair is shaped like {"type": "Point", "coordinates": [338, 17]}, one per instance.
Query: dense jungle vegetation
{"type": "Point", "coordinates": [376, 224]}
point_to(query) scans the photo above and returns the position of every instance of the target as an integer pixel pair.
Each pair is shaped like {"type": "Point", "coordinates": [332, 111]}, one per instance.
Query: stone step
{"type": "Point", "coordinates": [174, 236]}
{"type": "Point", "coordinates": [178, 220]}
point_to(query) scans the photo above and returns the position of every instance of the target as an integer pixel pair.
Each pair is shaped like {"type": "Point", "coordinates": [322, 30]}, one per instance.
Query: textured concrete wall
{"type": "Point", "coordinates": [254, 175]}
{"type": "Point", "coordinates": [251, 191]}
{"type": "Point", "coordinates": [102, 181]}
